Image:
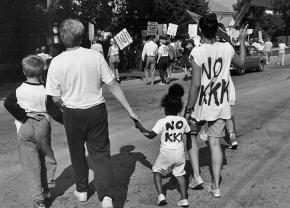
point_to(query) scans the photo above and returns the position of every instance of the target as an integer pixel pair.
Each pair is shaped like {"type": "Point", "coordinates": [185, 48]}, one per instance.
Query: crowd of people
{"type": "Point", "coordinates": [72, 95]}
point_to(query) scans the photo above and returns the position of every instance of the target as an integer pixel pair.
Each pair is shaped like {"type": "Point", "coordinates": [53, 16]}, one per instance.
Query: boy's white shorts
{"type": "Point", "coordinates": [170, 160]}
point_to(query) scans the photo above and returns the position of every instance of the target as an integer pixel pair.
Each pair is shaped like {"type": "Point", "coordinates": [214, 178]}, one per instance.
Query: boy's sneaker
{"type": "Point", "coordinates": [234, 145]}
{"type": "Point", "coordinates": [183, 203]}
{"type": "Point", "coordinates": [195, 182]}
{"type": "Point", "coordinates": [107, 202]}
{"type": "Point", "coordinates": [161, 200]}
{"type": "Point", "coordinates": [215, 192]}
{"type": "Point", "coordinates": [39, 204]}
{"type": "Point", "coordinates": [81, 196]}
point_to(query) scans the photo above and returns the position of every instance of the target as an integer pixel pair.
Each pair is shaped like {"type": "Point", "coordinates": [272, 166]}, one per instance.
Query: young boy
{"type": "Point", "coordinates": [31, 107]}
{"type": "Point", "coordinates": [172, 155]}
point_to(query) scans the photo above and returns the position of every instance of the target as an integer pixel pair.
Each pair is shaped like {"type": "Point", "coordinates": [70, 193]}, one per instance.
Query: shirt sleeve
{"type": "Point", "coordinates": [158, 127]}
{"type": "Point", "coordinates": [52, 82]}
{"type": "Point", "coordinates": [13, 107]}
{"type": "Point", "coordinates": [107, 75]}
{"type": "Point", "coordinates": [195, 54]}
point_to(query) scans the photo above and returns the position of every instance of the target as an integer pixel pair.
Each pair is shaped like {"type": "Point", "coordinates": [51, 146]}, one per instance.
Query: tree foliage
{"type": "Point", "coordinates": [270, 24]}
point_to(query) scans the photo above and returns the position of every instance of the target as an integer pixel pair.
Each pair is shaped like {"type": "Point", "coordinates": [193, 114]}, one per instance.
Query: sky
{"type": "Point", "coordinates": [224, 3]}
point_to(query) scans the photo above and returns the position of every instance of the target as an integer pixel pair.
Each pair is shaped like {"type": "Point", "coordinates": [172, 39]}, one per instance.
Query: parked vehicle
{"type": "Point", "coordinates": [254, 61]}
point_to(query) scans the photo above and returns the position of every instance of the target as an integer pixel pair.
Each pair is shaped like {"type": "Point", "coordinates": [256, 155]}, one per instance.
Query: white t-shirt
{"type": "Point", "coordinates": [150, 49]}
{"type": "Point", "coordinates": [163, 50]}
{"type": "Point", "coordinates": [114, 50]}
{"type": "Point", "coordinates": [97, 47]}
{"type": "Point", "coordinates": [77, 77]}
{"type": "Point", "coordinates": [282, 46]}
{"type": "Point", "coordinates": [172, 129]}
{"type": "Point", "coordinates": [216, 90]}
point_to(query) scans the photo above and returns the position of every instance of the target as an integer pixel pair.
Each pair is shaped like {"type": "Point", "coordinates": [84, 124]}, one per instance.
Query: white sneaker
{"type": "Point", "coordinates": [234, 145]}
{"type": "Point", "coordinates": [81, 196]}
{"type": "Point", "coordinates": [107, 202]}
{"type": "Point", "coordinates": [161, 83]}
{"type": "Point", "coordinates": [195, 182]}
{"type": "Point", "coordinates": [215, 192]}
{"type": "Point", "coordinates": [183, 203]}
{"type": "Point", "coordinates": [161, 200]}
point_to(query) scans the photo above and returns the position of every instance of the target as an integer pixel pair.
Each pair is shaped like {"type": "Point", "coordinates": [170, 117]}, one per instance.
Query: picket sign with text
{"type": "Point", "coordinates": [249, 31]}
{"type": "Point", "coordinates": [123, 39]}
{"type": "Point", "coordinates": [152, 28]}
{"type": "Point", "coordinates": [192, 30]}
{"type": "Point", "coordinates": [260, 35]}
{"type": "Point", "coordinates": [172, 29]}
{"type": "Point", "coordinates": [91, 31]}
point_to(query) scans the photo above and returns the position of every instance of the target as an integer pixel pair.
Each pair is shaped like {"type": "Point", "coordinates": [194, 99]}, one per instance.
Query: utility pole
{"type": "Point", "coordinates": [286, 22]}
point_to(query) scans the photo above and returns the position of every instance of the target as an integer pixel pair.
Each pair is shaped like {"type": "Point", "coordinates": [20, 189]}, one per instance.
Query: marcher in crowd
{"type": "Point", "coordinates": [184, 61]}
{"type": "Point", "coordinates": [282, 47]}
{"type": "Point", "coordinates": [28, 103]}
{"type": "Point", "coordinates": [163, 60]}
{"type": "Point", "coordinates": [268, 47]}
{"type": "Point", "coordinates": [114, 58]}
{"type": "Point", "coordinates": [97, 46]}
{"type": "Point", "coordinates": [171, 55]}
{"type": "Point", "coordinates": [149, 54]}
{"type": "Point", "coordinates": [75, 79]}
{"type": "Point", "coordinates": [201, 105]}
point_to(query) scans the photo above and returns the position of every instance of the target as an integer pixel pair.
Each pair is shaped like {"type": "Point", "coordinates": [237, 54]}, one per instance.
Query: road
{"type": "Point", "coordinates": [256, 175]}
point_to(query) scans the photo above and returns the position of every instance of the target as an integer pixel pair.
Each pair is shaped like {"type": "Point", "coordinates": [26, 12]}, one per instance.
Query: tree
{"type": "Point", "coordinates": [271, 25]}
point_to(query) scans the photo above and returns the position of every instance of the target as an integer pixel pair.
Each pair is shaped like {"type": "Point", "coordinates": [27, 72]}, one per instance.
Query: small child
{"type": "Point", "coordinates": [30, 106]}
{"type": "Point", "coordinates": [172, 154]}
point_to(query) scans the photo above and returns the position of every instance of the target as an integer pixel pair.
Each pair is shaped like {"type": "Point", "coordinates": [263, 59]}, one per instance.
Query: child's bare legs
{"type": "Point", "coordinates": [231, 127]}
{"type": "Point", "coordinates": [182, 187]}
{"type": "Point", "coordinates": [216, 161]}
{"type": "Point", "coordinates": [158, 182]}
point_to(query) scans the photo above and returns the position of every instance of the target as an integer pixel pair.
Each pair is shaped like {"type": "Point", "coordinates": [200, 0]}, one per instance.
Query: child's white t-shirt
{"type": "Point", "coordinates": [172, 129]}
{"type": "Point", "coordinates": [282, 46]}
{"type": "Point", "coordinates": [163, 50]}
{"type": "Point", "coordinates": [217, 91]}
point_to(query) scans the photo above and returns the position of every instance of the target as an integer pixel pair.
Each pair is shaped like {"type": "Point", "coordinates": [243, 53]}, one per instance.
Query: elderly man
{"type": "Point", "coordinates": [149, 55]}
{"type": "Point", "coordinates": [75, 80]}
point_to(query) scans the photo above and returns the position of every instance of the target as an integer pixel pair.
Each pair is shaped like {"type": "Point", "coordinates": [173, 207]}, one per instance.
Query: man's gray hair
{"type": "Point", "coordinates": [71, 32]}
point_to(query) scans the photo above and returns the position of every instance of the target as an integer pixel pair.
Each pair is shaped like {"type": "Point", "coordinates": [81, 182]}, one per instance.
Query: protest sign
{"type": "Point", "coordinates": [192, 30]}
{"type": "Point", "coordinates": [172, 29]}
{"type": "Point", "coordinates": [152, 28]}
{"type": "Point", "coordinates": [249, 31]}
{"type": "Point", "coordinates": [260, 35]}
{"type": "Point", "coordinates": [91, 31]}
{"type": "Point", "coordinates": [123, 39]}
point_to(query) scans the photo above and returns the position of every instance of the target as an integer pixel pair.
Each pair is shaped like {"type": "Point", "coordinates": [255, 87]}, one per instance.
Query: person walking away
{"type": "Point", "coordinates": [97, 46]}
{"type": "Point", "coordinates": [172, 155]}
{"type": "Point", "coordinates": [149, 54]}
{"type": "Point", "coordinates": [282, 47]}
{"type": "Point", "coordinates": [268, 47]}
{"type": "Point", "coordinates": [208, 99]}
{"type": "Point", "coordinates": [171, 55]}
{"type": "Point", "coordinates": [114, 59]}
{"type": "Point", "coordinates": [184, 61]}
{"type": "Point", "coordinates": [32, 109]}
{"type": "Point", "coordinates": [163, 60]}
{"type": "Point", "coordinates": [75, 79]}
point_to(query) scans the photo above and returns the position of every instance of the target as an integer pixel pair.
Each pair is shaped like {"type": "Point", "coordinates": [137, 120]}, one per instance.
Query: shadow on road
{"type": "Point", "coordinates": [124, 165]}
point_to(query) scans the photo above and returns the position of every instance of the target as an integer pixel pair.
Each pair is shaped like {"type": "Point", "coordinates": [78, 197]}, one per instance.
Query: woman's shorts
{"type": "Point", "coordinates": [170, 160]}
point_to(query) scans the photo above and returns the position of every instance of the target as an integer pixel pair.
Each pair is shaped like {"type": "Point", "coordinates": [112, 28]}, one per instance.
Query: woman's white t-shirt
{"type": "Point", "coordinates": [217, 90]}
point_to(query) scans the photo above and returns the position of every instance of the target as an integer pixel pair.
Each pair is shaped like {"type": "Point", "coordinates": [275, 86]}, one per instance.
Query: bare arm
{"type": "Point", "coordinates": [109, 52]}
{"type": "Point", "coordinates": [119, 95]}
{"type": "Point", "coordinates": [239, 61]}
{"type": "Point", "coordinates": [194, 87]}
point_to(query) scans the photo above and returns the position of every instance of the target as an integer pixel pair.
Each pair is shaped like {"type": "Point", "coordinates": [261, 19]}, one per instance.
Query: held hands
{"type": "Point", "coordinates": [35, 116]}
{"type": "Point", "coordinates": [243, 34]}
